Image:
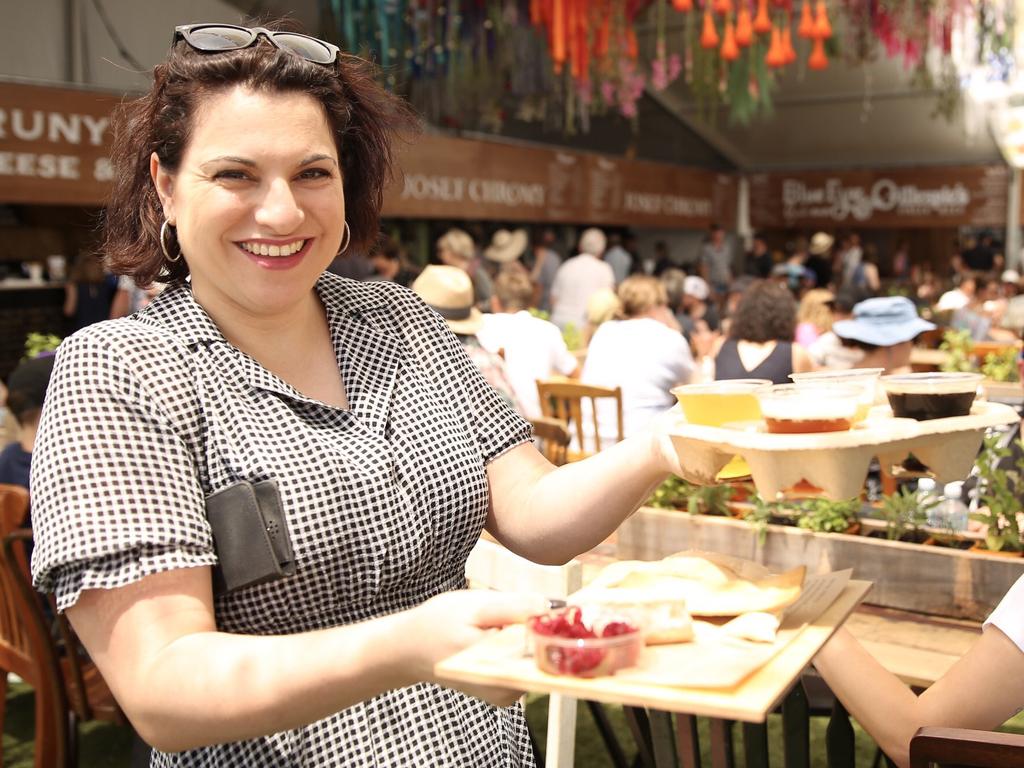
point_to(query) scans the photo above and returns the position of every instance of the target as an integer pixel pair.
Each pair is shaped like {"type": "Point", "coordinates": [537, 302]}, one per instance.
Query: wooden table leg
{"type": "Point", "coordinates": [636, 719]}
{"type": "Point", "coordinates": [611, 742]}
{"type": "Point", "coordinates": [796, 728]}
{"type": "Point", "coordinates": [839, 744]}
{"type": "Point", "coordinates": [721, 744]}
{"type": "Point", "coordinates": [755, 745]}
{"type": "Point", "coordinates": [687, 741]}
{"type": "Point", "coordinates": [662, 738]}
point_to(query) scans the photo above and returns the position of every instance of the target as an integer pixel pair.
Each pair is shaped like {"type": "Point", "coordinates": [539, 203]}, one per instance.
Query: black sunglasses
{"type": "Point", "coordinates": [214, 38]}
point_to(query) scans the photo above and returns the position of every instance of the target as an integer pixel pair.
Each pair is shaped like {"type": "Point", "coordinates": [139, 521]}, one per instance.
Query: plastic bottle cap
{"type": "Point", "coordinates": [953, 490]}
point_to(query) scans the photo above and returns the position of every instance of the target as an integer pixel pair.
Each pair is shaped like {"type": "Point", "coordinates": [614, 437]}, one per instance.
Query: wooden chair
{"type": "Point", "coordinates": [554, 437]}
{"type": "Point", "coordinates": [961, 747]}
{"type": "Point", "coordinates": [563, 399]}
{"type": "Point", "coordinates": [68, 687]}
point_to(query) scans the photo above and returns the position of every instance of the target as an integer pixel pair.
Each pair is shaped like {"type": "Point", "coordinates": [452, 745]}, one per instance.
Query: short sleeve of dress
{"type": "Point", "coordinates": [1009, 614]}
{"type": "Point", "coordinates": [115, 490]}
{"type": "Point", "coordinates": [495, 424]}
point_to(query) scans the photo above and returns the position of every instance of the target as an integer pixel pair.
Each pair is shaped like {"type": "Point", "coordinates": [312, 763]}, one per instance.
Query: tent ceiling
{"type": "Point", "coordinates": [845, 117]}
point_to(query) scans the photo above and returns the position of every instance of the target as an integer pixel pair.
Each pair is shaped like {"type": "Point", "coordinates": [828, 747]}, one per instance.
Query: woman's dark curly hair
{"type": "Point", "coordinates": [363, 117]}
{"type": "Point", "coordinates": [766, 312]}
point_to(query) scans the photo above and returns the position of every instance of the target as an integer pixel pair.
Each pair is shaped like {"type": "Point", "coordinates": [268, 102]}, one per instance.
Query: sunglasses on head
{"type": "Point", "coordinates": [215, 38]}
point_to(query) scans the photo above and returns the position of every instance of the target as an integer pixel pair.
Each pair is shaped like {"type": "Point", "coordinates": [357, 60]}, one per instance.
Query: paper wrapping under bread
{"type": "Point", "coordinates": [709, 585]}
{"type": "Point", "coordinates": [837, 462]}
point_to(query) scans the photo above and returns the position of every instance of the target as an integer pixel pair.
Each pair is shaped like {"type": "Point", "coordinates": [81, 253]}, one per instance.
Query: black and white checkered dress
{"type": "Point", "coordinates": [145, 416]}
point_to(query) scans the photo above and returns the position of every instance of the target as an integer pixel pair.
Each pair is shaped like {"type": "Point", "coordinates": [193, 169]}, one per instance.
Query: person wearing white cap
{"type": "Point", "coordinates": [578, 278]}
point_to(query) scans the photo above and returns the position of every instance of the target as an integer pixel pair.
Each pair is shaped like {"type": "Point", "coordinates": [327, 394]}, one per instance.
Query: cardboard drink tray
{"type": "Point", "coordinates": [837, 462]}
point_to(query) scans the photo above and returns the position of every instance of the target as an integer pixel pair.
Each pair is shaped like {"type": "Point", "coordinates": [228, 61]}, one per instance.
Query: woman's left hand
{"type": "Point", "coordinates": [694, 469]}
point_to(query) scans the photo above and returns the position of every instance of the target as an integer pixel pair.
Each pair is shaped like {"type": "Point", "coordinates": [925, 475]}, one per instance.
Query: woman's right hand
{"type": "Point", "coordinates": [450, 622]}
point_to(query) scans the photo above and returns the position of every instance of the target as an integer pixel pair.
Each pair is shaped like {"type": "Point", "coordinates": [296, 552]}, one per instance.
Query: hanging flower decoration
{"type": "Point", "coordinates": [464, 62]}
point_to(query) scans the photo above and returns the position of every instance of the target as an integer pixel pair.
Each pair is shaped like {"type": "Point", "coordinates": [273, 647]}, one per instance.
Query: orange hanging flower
{"type": "Point", "coordinates": [744, 27]}
{"type": "Point", "coordinates": [788, 54]}
{"type": "Point", "coordinates": [723, 6]}
{"type": "Point", "coordinates": [818, 60]}
{"type": "Point", "coordinates": [762, 23]}
{"type": "Point", "coordinates": [729, 50]}
{"type": "Point", "coordinates": [708, 35]}
{"type": "Point", "coordinates": [631, 46]}
{"type": "Point", "coordinates": [822, 27]}
{"type": "Point", "coordinates": [776, 57]}
{"type": "Point", "coordinates": [682, 5]}
{"type": "Point", "coordinates": [806, 28]}
{"type": "Point", "coordinates": [557, 35]}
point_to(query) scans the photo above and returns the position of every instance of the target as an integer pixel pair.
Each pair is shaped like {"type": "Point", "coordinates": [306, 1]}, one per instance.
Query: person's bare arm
{"type": "Point", "coordinates": [801, 360]}
{"type": "Point", "coordinates": [550, 515]}
{"type": "Point", "coordinates": [184, 685]}
{"type": "Point", "coordinates": [981, 691]}
{"type": "Point", "coordinates": [121, 304]}
{"type": "Point", "coordinates": [70, 299]}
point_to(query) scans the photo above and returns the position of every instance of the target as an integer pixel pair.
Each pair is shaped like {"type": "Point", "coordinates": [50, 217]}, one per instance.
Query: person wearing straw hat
{"type": "Point", "coordinates": [885, 329]}
{"type": "Point", "coordinates": [449, 292]}
{"type": "Point", "coordinates": [819, 259]}
{"type": "Point", "coordinates": [507, 247]}
{"type": "Point", "coordinates": [455, 248]}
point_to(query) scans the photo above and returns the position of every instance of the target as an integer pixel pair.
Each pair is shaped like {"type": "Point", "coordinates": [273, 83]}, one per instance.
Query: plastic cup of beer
{"type": "Point", "coordinates": [720, 402]}
{"type": "Point", "coordinates": [865, 379]}
{"type": "Point", "coordinates": [925, 396]}
{"type": "Point", "coordinates": [807, 409]}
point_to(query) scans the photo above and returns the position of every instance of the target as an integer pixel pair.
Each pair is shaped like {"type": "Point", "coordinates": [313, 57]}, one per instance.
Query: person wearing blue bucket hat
{"type": "Point", "coordinates": [884, 328]}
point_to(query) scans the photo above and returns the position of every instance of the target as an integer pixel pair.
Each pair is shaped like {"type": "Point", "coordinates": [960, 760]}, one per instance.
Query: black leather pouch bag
{"type": "Point", "coordinates": [250, 536]}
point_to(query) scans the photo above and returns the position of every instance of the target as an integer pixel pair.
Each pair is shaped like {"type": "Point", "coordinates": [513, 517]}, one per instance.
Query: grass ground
{"type": "Point", "coordinates": [107, 746]}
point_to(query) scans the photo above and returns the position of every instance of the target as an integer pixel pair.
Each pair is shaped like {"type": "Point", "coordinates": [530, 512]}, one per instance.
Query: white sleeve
{"type": "Point", "coordinates": [562, 360]}
{"type": "Point", "coordinates": [1008, 616]}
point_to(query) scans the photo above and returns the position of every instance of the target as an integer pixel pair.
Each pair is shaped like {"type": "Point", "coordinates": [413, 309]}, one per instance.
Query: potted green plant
{"type": "Point", "coordinates": [827, 516]}
{"type": "Point", "coordinates": [999, 502]}
{"type": "Point", "coordinates": [905, 512]}
{"type": "Point", "coordinates": [676, 493]}
{"type": "Point", "coordinates": [959, 345]}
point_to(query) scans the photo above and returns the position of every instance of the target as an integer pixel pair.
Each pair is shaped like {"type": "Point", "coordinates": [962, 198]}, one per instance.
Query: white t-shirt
{"type": "Point", "coordinates": [577, 280]}
{"type": "Point", "coordinates": [534, 349]}
{"type": "Point", "coordinates": [1009, 614]}
{"type": "Point", "coordinates": [644, 357]}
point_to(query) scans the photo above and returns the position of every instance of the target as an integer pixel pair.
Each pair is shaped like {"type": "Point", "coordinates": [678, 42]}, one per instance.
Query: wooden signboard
{"type": "Point", "coordinates": [54, 144]}
{"type": "Point", "coordinates": [452, 178]}
{"type": "Point", "coordinates": [898, 198]}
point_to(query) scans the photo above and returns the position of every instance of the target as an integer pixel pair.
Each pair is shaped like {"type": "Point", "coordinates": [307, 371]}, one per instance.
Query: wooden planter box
{"type": "Point", "coordinates": [927, 579]}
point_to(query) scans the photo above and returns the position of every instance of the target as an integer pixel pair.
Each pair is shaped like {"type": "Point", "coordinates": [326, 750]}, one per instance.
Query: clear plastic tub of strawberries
{"type": "Point", "coordinates": [584, 642]}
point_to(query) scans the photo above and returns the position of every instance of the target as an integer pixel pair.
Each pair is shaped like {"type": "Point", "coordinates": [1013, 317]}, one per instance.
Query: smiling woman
{"type": "Point", "coordinates": [256, 497]}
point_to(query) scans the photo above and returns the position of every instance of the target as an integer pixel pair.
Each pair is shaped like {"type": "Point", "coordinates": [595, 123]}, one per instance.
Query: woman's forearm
{"type": "Point", "coordinates": [551, 515]}
{"type": "Point", "coordinates": [980, 691]}
{"type": "Point", "coordinates": [876, 698]}
{"type": "Point", "coordinates": [250, 686]}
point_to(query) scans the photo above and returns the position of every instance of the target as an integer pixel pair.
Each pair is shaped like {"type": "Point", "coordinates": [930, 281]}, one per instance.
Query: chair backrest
{"type": "Point", "coordinates": [17, 653]}
{"type": "Point", "coordinates": [554, 437]}
{"type": "Point", "coordinates": [26, 646]}
{"type": "Point", "coordinates": [564, 400]}
{"type": "Point", "coordinates": [961, 747]}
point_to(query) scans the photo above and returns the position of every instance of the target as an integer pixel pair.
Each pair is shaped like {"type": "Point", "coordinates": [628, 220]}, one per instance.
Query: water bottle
{"type": "Point", "coordinates": [925, 495]}
{"type": "Point", "coordinates": [951, 512]}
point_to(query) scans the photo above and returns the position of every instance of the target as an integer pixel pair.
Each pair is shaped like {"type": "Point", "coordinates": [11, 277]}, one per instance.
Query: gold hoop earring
{"type": "Point", "coordinates": [346, 241]}
{"type": "Point", "coordinates": [163, 243]}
